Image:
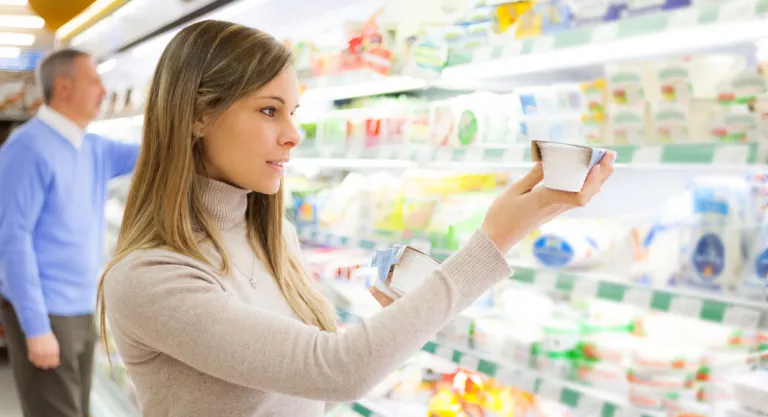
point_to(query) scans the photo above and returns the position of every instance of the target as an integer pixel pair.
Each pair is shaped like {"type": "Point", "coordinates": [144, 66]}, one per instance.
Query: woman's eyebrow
{"type": "Point", "coordinates": [277, 98]}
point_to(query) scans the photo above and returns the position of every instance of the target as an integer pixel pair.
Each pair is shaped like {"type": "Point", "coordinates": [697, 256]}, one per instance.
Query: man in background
{"type": "Point", "coordinates": [53, 190]}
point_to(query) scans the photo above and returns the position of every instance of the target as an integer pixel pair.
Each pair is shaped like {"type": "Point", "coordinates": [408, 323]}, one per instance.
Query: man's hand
{"type": "Point", "coordinates": [43, 351]}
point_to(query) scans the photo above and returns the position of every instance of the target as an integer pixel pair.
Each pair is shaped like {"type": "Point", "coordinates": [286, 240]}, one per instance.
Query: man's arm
{"type": "Point", "coordinates": [120, 156]}
{"type": "Point", "coordinates": [23, 180]}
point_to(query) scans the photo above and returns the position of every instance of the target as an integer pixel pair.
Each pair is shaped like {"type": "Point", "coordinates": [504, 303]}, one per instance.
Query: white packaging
{"type": "Point", "coordinates": [565, 166]}
{"type": "Point", "coordinates": [412, 269]}
{"type": "Point", "coordinates": [751, 391]}
{"type": "Point", "coordinates": [715, 253]}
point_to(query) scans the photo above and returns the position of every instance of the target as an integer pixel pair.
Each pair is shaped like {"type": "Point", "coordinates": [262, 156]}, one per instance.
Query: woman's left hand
{"type": "Point", "coordinates": [381, 298]}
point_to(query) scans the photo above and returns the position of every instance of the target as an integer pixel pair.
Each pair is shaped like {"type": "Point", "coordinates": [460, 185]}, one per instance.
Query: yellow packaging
{"type": "Point", "coordinates": [529, 24]}
{"type": "Point", "coordinates": [508, 14]}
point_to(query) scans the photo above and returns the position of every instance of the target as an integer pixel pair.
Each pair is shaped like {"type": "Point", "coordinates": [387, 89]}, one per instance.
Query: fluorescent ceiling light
{"type": "Point", "coordinates": [675, 41]}
{"type": "Point", "coordinates": [21, 39]}
{"type": "Point", "coordinates": [106, 66]}
{"type": "Point", "coordinates": [9, 52]}
{"type": "Point", "coordinates": [21, 21]}
{"type": "Point", "coordinates": [89, 13]}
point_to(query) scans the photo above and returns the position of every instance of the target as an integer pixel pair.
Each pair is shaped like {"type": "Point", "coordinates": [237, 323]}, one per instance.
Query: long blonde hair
{"type": "Point", "coordinates": [202, 72]}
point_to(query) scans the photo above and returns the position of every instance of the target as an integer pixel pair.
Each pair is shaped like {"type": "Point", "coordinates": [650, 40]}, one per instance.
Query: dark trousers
{"type": "Point", "coordinates": [63, 391]}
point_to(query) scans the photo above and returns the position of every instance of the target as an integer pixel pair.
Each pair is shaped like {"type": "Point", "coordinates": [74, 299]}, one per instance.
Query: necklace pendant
{"type": "Point", "coordinates": [253, 283]}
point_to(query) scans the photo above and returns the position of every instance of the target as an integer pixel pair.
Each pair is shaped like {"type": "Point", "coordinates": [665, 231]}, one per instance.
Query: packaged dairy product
{"type": "Point", "coordinates": [565, 166]}
{"type": "Point", "coordinates": [716, 251]}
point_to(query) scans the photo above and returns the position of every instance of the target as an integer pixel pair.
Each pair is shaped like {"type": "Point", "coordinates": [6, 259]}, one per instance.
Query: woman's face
{"type": "Point", "coordinates": [250, 143]}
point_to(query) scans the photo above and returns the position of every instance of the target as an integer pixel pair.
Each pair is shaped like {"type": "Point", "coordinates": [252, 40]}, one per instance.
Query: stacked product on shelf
{"type": "Point", "coordinates": [689, 99]}
{"type": "Point", "coordinates": [441, 208]}
{"type": "Point", "coordinates": [709, 238]}
{"type": "Point", "coordinates": [425, 383]}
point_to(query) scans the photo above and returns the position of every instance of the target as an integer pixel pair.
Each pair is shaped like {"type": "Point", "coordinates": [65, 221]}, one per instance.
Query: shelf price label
{"type": "Point", "coordinates": [425, 155]}
{"type": "Point", "coordinates": [745, 318]}
{"type": "Point", "coordinates": [516, 378]}
{"type": "Point", "coordinates": [509, 376]}
{"type": "Point", "coordinates": [731, 155]}
{"type": "Point", "coordinates": [474, 154]}
{"type": "Point", "coordinates": [325, 151]}
{"type": "Point", "coordinates": [542, 44]}
{"type": "Point", "coordinates": [337, 241]}
{"type": "Point", "coordinates": [404, 154]}
{"type": "Point", "coordinates": [739, 10]}
{"type": "Point", "coordinates": [469, 362]}
{"type": "Point", "coordinates": [589, 406]}
{"type": "Point", "coordinates": [483, 54]}
{"type": "Point", "coordinates": [387, 154]}
{"type": "Point", "coordinates": [585, 288]}
{"type": "Point", "coordinates": [444, 155]}
{"type": "Point", "coordinates": [647, 155]}
{"type": "Point", "coordinates": [686, 307]}
{"type": "Point", "coordinates": [514, 155]}
{"type": "Point", "coordinates": [444, 353]}
{"type": "Point", "coordinates": [354, 152]}
{"type": "Point", "coordinates": [353, 242]}
{"type": "Point", "coordinates": [549, 390]}
{"type": "Point", "coordinates": [683, 18]}
{"type": "Point", "coordinates": [546, 280]}
{"type": "Point", "coordinates": [512, 50]}
{"type": "Point", "coordinates": [605, 32]}
{"type": "Point", "coordinates": [627, 412]}
{"type": "Point", "coordinates": [638, 297]}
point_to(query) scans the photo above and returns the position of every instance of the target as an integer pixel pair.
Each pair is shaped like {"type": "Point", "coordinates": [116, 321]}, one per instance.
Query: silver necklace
{"type": "Point", "coordinates": [253, 270]}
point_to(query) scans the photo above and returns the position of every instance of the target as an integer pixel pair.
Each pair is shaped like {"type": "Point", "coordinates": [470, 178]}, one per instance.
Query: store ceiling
{"type": "Point", "coordinates": [58, 12]}
{"type": "Point", "coordinates": [131, 22]}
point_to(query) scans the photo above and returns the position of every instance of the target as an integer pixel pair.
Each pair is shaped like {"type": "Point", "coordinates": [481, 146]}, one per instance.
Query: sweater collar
{"type": "Point", "coordinates": [225, 204]}
{"type": "Point", "coordinates": [62, 125]}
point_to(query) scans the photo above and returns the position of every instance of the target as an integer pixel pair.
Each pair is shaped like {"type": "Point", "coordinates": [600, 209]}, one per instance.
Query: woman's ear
{"type": "Point", "coordinates": [200, 126]}
{"type": "Point", "coordinates": [198, 129]}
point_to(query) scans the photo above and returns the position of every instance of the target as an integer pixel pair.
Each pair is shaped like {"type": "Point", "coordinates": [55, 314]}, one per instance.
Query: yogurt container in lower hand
{"type": "Point", "coordinates": [565, 166]}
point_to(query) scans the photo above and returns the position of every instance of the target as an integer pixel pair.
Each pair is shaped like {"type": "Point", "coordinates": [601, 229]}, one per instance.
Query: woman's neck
{"type": "Point", "coordinates": [225, 204]}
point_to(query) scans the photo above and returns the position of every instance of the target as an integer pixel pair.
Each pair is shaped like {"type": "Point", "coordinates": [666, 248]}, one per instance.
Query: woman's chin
{"type": "Point", "coordinates": [267, 188]}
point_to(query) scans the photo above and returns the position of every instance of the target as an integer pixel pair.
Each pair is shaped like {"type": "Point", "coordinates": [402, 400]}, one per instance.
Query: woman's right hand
{"type": "Point", "coordinates": [522, 208]}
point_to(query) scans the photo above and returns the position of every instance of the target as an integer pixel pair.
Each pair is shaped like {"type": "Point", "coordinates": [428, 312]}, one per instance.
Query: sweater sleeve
{"type": "Point", "coordinates": [23, 181]}
{"type": "Point", "coordinates": [171, 307]}
{"type": "Point", "coordinates": [121, 157]}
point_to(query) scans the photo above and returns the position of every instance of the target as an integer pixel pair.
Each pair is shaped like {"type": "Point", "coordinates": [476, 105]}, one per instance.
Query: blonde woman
{"type": "Point", "coordinates": [207, 299]}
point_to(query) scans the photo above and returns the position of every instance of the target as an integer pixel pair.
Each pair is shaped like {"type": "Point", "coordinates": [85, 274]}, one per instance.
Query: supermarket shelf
{"type": "Point", "coordinates": [584, 400]}
{"type": "Point", "coordinates": [342, 88]}
{"type": "Point", "coordinates": [680, 31]}
{"type": "Point", "coordinates": [709, 307]}
{"type": "Point", "coordinates": [719, 154]}
{"type": "Point", "coordinates": [108, 400]}
{"type": "Point", "coordinates": [368, 409]}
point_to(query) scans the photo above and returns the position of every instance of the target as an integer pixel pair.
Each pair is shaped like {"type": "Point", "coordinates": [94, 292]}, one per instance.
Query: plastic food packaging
{"type": "Point", "coordinates": [565, 166]}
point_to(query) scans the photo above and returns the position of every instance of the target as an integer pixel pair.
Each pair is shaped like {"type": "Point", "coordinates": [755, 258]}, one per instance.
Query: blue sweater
{"type": "Point", "coordinates": [52, 225]}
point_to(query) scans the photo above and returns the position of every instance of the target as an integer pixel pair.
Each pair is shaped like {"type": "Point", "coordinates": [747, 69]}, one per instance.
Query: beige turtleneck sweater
{"type": "Point", "coordinates": [200, 344]}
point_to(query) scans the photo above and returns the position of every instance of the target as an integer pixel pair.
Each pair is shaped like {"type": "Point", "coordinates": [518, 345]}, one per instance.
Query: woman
{"type": "Point", "coordinates": [207, 299]}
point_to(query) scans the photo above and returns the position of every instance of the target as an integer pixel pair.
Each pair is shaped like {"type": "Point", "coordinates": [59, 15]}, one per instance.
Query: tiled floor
{"type": "Point", "coordinates": [9, 402]}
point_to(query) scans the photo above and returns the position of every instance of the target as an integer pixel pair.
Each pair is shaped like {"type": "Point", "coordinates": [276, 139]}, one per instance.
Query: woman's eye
{"type": "Point", "coordinates": [269, 111]}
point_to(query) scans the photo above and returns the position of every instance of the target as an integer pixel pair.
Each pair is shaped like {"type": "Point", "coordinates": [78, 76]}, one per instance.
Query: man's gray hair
{"type": "Point", "coordinates": [56, 64]}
